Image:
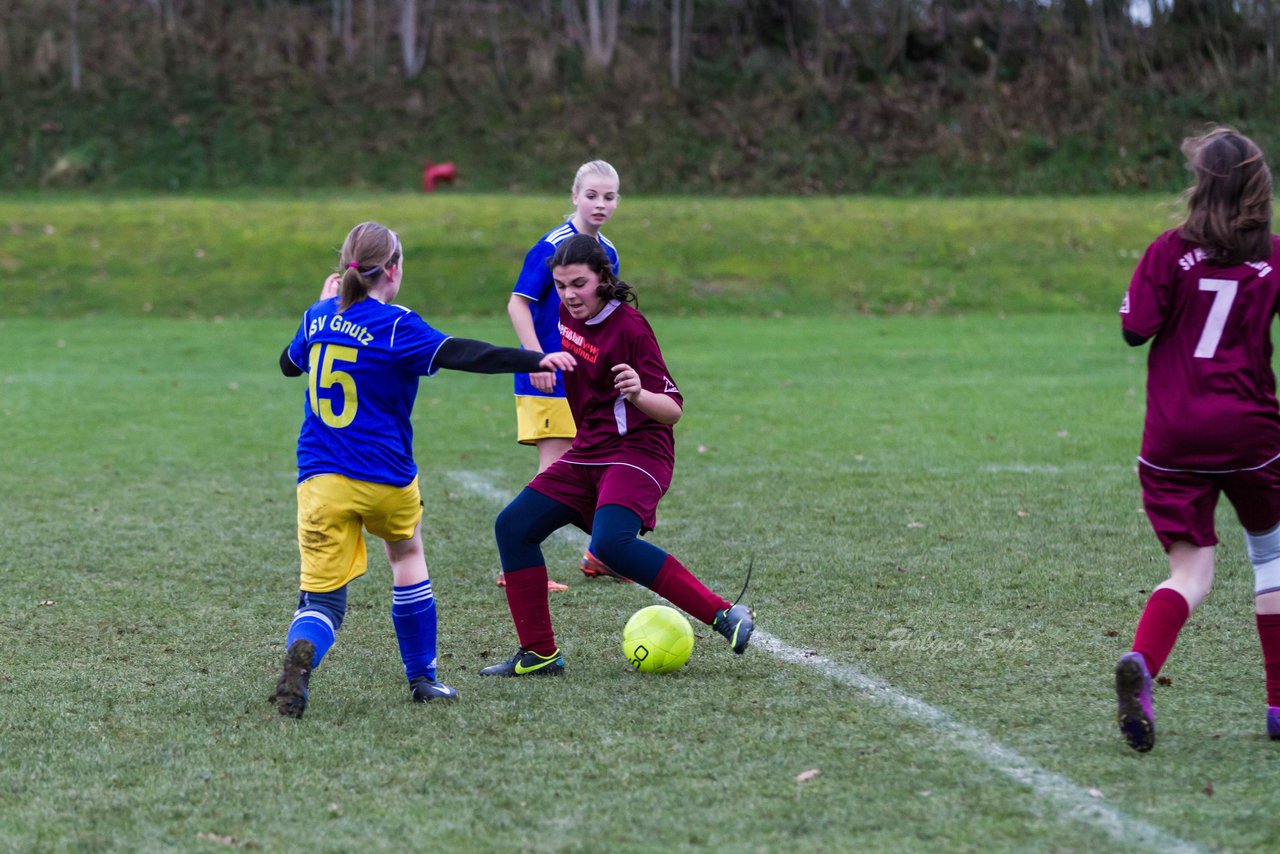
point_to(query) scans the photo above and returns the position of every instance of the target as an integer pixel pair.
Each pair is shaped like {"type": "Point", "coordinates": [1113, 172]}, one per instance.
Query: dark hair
{"type": "Point", "coordinates": [370, 248]}
{"type": "Point", "coordinates": [1229, 206]}
{"type": "Point", "coordinates": [585, 249]}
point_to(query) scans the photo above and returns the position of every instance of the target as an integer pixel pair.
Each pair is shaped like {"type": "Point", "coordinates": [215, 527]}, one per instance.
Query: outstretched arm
{"type": "Point", "coordinates": [481, 357]}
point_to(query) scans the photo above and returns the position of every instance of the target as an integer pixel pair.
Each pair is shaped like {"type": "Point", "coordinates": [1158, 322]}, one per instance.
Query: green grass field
{"type": "Point", "coordinates": [946, 504]}
{"type": "Point", "coordinates": [938, 498]}
{"type": "Point", "coordinates": [250, 257]}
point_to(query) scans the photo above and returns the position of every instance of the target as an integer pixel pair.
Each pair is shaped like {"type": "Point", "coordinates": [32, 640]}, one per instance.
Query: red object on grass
{"type": "Point", "coordinates": [434, 172]}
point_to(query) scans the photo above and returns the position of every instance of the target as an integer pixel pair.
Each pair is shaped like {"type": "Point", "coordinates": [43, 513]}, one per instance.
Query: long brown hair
{"type": "Point", "coordinates": [370, 248]}
{"type": "Point", "coordinates": [1229, 206]}
{"type": "Point", "coordinates": [585, 249]}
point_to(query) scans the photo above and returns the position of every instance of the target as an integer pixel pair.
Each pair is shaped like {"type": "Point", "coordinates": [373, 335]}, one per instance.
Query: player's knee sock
{"type": "Point", "coordinates": [317, 619]}
{"type": "Point", "coordinates": [1264, 554]}
{"type": "Point", "coordinates": [530, 610]}
{"type": "Point", "coordinates": [520, 529]}
{"type": "Point", "coordinates": [1269, 635]}
{"type": "Point", "coordinates": [679, 586]}
{"type": "Point", "coordinates": [413, 611]}
{"type": "Point", "coordinates": [615, 543]}
{"type": "Point", "coordinates": [1162, 619]}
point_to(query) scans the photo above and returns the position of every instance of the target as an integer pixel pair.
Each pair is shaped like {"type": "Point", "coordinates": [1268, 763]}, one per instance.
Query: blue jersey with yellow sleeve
{"type": "Point", "coordinates": [363, 367]}
{"type": "Point", "coordinates": [539, 288]}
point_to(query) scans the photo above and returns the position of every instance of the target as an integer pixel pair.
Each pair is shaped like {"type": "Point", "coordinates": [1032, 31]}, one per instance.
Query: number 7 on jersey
{"type": "Point", "coordinates": [1224, 295]}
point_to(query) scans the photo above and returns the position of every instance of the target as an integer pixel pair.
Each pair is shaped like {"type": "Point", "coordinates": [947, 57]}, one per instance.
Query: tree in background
{"type": "Point", "coordinates": [737, 95]}
{"type": "Point", "coordinates": [598, 36]}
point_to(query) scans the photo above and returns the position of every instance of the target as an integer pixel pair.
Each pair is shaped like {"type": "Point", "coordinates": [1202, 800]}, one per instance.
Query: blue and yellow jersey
{"type": "Point", "coordinates": [363, 367]}
{"type": "Point", "coordinates": [537, 285]}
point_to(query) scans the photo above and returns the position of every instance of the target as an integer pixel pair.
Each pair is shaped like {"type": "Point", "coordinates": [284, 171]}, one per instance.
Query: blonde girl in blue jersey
{"type": "Point", "coordinates": [356, 471]}
{"type": "Point", "coordinates": [542, 413]}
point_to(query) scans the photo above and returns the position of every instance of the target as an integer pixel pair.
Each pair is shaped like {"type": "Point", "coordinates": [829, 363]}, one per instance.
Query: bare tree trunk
{"type": "Point", "coordinates": [73, 21]}
{"type": "Point", "coordinates": [348, 31]}
{"type": "Point", "coordinates": [817, 52]}
{"type": "Point", "coordinates": [899, 14]}
{"type": "Point", "coordinates": [340, 25]}
{"type": "Point", "coordinates": [1269, 15]}
{"type": "Point", "coordinates": [603, 31]}
{"type": "Point", "coordinates": [371, 34]}
{"type": "Point", "coordinates": [681, 24]}
{"type": "Point", "coordinates": [600, 36]}
{"type": "Point", "coordinates": [499, 55]}
{"type": "Point", "coordinates": [1103, 62]}
{"type": "Point", "coordinates": [412, 55]}
{"type": "Point", "coordinates": [573, 23]}
{"type": "Point", "coordinates": [164, 13]}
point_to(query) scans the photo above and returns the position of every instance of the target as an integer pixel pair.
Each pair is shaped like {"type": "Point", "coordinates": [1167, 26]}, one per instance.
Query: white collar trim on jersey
{"type": "Point", "coordinates": [604, 312]}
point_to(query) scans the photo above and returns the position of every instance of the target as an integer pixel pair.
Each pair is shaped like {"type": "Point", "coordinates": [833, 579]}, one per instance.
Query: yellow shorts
{"type": "Point", "coordinates": [540, 418]}
{"type": "Point", "coordinates": [333, 509]}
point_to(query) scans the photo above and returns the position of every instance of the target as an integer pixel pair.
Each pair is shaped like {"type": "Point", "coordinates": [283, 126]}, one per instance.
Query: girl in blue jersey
{"type": "Point", "coordinates": [356, 469]}
{"type": "Point", "coordinates": [542, 413]}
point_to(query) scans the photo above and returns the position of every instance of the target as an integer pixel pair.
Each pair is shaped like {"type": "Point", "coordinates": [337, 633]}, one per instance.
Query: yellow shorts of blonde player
{"type": "Point", "coordinates": [333, 512]}
{"type": "Point", "coordinates": [540, 418]}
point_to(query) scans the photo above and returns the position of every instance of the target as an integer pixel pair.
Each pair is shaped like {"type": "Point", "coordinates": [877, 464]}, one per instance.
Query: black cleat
{"type": "Point", "coordinates": [424, 688]}
{"type": "Point", "coordinates": [526, 662]}
{"type": "Point", "coordinates": [1134, 710]}
{"type": "Point", "coordinates": [736, 624]}
{"type": "Point", "coordinates": [291, 688]}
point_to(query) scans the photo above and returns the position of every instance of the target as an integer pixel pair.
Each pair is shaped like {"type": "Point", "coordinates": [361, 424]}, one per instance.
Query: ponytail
{"type": "Point", "coordinates": [354, 287]}
{"type": "Point", "coordinates": [368, 240]}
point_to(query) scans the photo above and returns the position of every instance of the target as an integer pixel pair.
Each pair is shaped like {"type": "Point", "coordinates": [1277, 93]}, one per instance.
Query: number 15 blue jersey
{"type": "Point", "coordinates": [363, 367]}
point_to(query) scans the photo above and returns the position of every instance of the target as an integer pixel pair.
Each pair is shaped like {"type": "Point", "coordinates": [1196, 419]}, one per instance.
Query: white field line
{"type": "Point", "coordinates": [1072, 801]}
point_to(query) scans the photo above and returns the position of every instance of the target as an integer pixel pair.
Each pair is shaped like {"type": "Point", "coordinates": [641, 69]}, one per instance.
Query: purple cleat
{"type": "Point", "coordinates": [1133, 703]}
{"type": "Point", "coordinates": [1273, 722]}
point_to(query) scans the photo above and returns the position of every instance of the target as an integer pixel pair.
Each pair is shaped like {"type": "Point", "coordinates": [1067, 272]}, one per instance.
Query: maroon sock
{"type": "Point", "coordinates": [678, 586]}
{"type": "Point", "coordinates": [1162, 619]}
{"type": "Point", "coordinates": [1269, 634]}
{"type": "Point", "coordinates": [530, 610]}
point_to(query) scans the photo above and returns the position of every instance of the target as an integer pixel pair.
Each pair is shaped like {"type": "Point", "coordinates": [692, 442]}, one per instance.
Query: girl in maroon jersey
{"type": "Point", "coordinates": [618, 468]}
{"type": "Point", "coordinates": [543, 418]}
{"type": "Point", "coordinates": [1205, 295]}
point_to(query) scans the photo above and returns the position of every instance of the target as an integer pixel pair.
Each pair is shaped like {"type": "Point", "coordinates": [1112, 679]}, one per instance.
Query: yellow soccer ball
{"type": "Point", "coordinates": [657, 639]}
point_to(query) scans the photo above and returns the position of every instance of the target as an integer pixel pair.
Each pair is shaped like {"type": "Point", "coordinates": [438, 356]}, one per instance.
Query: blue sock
{"type": "Point", "coordinates": [318, 618]}
{"type": "Point", "coordinates": [413, 610]}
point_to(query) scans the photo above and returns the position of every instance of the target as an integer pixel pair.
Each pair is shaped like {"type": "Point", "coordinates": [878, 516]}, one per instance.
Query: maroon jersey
{"type": "Point", "coordinates": [1211, 393]}
{"type": "Point", "coordinates": [610, 429]}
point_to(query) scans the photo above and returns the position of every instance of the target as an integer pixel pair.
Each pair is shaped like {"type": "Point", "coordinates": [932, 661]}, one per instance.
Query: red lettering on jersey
{"type": "Point", "coordinates": [574, 343]}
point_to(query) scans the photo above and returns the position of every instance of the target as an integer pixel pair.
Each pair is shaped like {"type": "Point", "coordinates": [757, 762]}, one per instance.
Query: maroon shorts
{"type": "Point", "coordinates": [1180, 504]}
{"type": "Point", "coordinates": [586, 487]}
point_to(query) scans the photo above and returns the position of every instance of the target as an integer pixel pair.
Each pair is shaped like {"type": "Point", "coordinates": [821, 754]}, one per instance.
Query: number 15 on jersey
{"type": "Point", "coordinates": [321, 360]}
